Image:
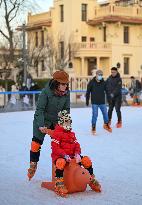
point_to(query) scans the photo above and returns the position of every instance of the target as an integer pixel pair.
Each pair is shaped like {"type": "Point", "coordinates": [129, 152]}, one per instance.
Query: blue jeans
{"type": "Point", "coordinates": [103, 109]}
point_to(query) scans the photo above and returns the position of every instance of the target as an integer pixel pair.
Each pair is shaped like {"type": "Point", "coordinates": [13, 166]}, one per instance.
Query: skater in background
{"type": "Point", "coordinates": [125, 92]}
{"type": "Point", "coordinates": [54, 98]}
{"type": "Point", "coordinates": [114, 95]}
{"type": "Point", "coordinates": [135, 90]}
{"type": "Point", "coordinates": [64, 148]}
{"type": "Point", "coordinates": [2, 97]}
{"type": "Point", "coordinates": [26, 102]}
{"type": "Point", "coordinates": [97, 88]}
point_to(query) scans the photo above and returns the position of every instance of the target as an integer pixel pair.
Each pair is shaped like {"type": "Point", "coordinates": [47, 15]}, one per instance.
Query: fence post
{"type": "Point", "coordinates": [34, 105]}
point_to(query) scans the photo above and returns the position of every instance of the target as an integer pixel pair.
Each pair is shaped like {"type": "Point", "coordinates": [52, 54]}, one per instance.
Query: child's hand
{"type": "Point", "coordinates": [67, 158]}
{"type": "Point", "coordinates": [78, 158]}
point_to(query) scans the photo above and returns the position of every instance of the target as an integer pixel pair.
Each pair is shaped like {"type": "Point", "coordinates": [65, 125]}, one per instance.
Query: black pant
{"type": "Point", "coordinates": [115, 102]}
{"type": "Point", "coordinates": [59, 173]}
{"type": "Point", "coordinates": [34, 156]}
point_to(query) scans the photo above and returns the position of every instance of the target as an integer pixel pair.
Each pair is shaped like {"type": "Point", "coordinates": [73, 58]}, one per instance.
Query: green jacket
{"type": "Point", "coordinates": [47, 109]}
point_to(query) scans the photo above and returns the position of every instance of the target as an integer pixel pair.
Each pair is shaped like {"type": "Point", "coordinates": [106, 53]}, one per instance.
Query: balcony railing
{"type": "Point", "coordinates": [118, 10]}
{"type": "Point", "coordinates": [92, 45]}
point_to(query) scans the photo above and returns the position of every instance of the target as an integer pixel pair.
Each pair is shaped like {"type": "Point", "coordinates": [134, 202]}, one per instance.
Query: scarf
{"type": "Point", "coordinates": [60, 93]}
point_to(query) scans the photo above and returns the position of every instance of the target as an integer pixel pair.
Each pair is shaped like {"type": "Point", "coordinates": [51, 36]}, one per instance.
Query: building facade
{"type": "Point", "coordinates": [85, 36]}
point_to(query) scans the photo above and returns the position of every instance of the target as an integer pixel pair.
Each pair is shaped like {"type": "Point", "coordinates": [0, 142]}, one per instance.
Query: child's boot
{"type": "Point", "coordinates": [94, 184]}
{"type": "Point", "coordinates": [32, 170]}
{"type": "Point", "coordinates": [60, 188]}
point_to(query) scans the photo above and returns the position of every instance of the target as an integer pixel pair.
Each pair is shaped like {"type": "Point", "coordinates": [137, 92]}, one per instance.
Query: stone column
{"type": "Point", "coordinates": [82, 66]}
{"type": "Point", "coordinates": [98, 62]}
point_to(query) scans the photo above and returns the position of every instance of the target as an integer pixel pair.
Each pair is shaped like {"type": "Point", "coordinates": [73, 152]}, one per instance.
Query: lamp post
{"type": "Point", "coordinates": [24, 54]}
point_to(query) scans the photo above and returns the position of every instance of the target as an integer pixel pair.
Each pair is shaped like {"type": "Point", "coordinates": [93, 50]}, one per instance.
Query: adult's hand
{"type": "Point", "coordinates": [43, 129]}
{"type": "Point", "coordinates": [112, 95]}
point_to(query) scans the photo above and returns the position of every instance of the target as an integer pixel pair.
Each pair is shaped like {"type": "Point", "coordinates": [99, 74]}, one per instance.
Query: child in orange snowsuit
{"type": "Point", "coordinates": [65, 147]}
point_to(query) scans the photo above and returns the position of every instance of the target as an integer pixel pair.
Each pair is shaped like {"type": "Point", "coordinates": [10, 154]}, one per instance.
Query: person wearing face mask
{"type": "Point", "coordinates": [96, 87]}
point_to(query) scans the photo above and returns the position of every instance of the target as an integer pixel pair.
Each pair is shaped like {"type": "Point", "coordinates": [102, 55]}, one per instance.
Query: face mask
{"type": "Point", "coordinates": [99, 77]}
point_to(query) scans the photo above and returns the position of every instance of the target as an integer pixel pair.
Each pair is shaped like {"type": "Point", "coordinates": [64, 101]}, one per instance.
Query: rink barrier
{"type": "Point", "coordinates": [75, 96]}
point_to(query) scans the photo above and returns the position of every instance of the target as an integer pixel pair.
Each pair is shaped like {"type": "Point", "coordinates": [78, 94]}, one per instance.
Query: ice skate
{"type": "Point", "coordinates": [32, 170]}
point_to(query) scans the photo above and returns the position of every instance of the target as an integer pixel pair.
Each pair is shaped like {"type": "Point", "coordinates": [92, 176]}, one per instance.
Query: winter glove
{"type": "Point", "coordinates": [67, 158]}
{"type": "Point", "coordinates": [78, 158]}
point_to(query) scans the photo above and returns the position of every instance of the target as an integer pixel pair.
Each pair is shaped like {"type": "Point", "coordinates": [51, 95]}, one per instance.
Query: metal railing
{"type": "Point", "coordinates": [26, 100]}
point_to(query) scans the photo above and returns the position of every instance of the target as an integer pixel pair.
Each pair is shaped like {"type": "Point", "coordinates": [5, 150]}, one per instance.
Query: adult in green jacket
{"type": "Point", "coordinates": [54, 98]}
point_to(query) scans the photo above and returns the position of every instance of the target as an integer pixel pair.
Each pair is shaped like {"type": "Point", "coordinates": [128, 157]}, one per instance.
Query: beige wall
{"type": "Point", "coordinates": [110, 52]}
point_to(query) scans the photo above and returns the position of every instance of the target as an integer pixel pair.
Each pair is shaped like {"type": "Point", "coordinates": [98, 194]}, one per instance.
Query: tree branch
{"type": "Point", "coordinates": [4, 34]}
{"type": "Point", "coordinates": [0, 3]}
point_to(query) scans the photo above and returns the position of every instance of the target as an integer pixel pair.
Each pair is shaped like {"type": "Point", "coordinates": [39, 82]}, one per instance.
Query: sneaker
{"type": "Point", "coordinates": [32, 170]}
{"type": "Point", "coordinates": [94, 184]}
{"type": "Point", "coordinates": [60, 188]}
{"type": "Point", "coordinates": [107, 127]}
{"type": "Point", "coordinates": [119, 124]}
{"type": "Point", "coordinates": [93, 129]}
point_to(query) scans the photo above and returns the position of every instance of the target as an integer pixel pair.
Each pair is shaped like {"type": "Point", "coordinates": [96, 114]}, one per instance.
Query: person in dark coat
{"type": "Point", "coordinates": [96, 87]}
{"type": "Point", "coordinates": [114, 95]}
{"type": "Point", "coordinates": [54, 98]}
{"type": "Point", "coordinates": [135, 90]}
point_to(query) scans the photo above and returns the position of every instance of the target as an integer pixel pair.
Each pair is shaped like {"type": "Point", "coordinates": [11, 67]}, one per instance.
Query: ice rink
{"type": "Point", "coordinates": [116, 157]}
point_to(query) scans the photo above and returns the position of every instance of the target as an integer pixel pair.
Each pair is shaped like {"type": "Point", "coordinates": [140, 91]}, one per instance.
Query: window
{"type": "Point", "coordinates": [104, 34]}
{"type": "Point", "coordinates": [42, 38]}
{"type": "Point", "coordinates": [126, 66]}
{"type": "Point", "coordinates": [36, 39]}
{"type": "Point", "coordinates": [84, 12]}
{"type": "Point", "coordinates": [42, 65]}
{"type": "Point", "coordinates": [36, 66]}
{"type": "Point", "coordinates": [69, 52]}
{"type": "Point", "coordinates": [36, 63]}
{"type": "Point", "coordinates": [126, 34]}
{"type": "Point", "coordinates": [92, 39]}
{"type": "Point", "coordinates": [62, 49]}
{"type": "Point", "coordinates": [61, 13]}
{"type": "Point", "coordinates": [83, 38]}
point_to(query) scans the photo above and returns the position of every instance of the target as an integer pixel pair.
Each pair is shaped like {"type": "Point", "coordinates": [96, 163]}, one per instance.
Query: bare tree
{"type": "Point", "coordinates": [55, 55]}
{"type": "Point", "coordinates": [10, 12]}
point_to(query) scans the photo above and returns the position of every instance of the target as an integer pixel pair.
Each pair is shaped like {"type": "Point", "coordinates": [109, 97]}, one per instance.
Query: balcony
{"type": "Point", "coordinates": [94, 46]}
{"type": "Point", "coordinates": [114, 13]}
{"type": "Point", "coordinates": [131, 11]}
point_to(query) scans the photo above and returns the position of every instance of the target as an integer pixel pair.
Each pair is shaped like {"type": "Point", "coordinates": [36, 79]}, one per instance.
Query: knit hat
{"type": "Point", "coordinates": [99, 72]}
{"type": "Point", "coordinates": [61, 76]}
{"type": "Point", "coordinates": [64, 119]}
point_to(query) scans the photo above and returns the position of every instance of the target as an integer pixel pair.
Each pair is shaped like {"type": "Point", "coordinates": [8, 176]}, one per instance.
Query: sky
{"type": "Point", "coordinates": [45, 4]}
